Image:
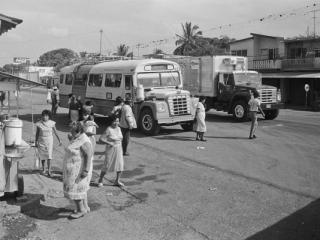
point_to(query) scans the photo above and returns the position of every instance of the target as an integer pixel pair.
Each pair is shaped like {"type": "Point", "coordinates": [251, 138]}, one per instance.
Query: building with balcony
{"type": "Point", "coordinates": [288, 64]}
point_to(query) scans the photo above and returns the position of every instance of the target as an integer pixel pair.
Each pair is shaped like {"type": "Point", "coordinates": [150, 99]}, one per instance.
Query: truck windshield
{"type": "Point", "coordinates": [164, 79]}
{"type": "Point", "coordinates": [247, 78]}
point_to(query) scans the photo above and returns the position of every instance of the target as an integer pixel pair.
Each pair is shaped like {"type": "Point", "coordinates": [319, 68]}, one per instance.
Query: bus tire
{"type": "Point", "coordinates": [148, 124]}
{"type": "Point", "coordinates": [271, 114]}
{"type": "Point", "coordinates": [187, 126]}
{"type": "Point", "coordinates": [240, 111]}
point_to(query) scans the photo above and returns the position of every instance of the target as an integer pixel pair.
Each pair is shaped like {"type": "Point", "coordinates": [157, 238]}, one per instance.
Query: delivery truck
{"type": "Point", "coordinates": [226, 84]}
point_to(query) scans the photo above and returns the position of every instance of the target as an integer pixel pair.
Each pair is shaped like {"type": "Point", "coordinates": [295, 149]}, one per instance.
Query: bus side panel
{"type": "Point", "coordinates": [64, 100]}
{"type": "Point", "coordinates": [101, 106]}
{"type": "Point", "coordinates": [79, 90]}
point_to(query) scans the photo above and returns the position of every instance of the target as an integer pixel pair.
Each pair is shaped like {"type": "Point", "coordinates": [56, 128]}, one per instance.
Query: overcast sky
{"type": "Point", "coordinates": [75, 24]}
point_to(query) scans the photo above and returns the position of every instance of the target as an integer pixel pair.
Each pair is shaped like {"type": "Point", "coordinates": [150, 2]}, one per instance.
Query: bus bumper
{"type": "Point", "coordinates": [175, 119]}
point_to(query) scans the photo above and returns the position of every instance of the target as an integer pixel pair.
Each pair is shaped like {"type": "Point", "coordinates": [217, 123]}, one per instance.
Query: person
{"type": "Point", "coordinates": [80, 108]}
{"type": "Point", "coordinates": [77, 169]}
{"type": "Point", "coordinates": [2, 97]}
{"type": "Point", "coordinates": [55, 100]}
{"type": "Point", "coordinates": [87, 107]}
{"type": "Point", "coordinates": [117, 107]}
{"type": "Point", "coordinates": [254, 108]}
{"type": "Point", "coordinates": [200, 124]}
{"type": "Point", "coordinates": [44, 139]}
{"type": "Point", "coordinates": [112, 137]}
{"type": "Point", "coordinates": [127, 123]}
{"type": "Point", "coordinates": [74, 109]}
{"type": "Point", "coordinates": [90, 127]}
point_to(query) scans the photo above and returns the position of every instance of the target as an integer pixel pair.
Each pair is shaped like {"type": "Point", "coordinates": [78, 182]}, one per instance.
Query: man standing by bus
{"type": "Point", "coordinates": [127, 123]}
{"type": "Point", "coordinates": [55, 100]}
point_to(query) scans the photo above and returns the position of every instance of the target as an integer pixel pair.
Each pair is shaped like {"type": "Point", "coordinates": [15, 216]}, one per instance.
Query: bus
{"type": "Point", "coordinates": [158, 81]}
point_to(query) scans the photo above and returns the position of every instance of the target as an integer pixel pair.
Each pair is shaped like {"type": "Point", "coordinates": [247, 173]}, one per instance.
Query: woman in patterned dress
{"type": "Point", "coordinates": [113, 162]}
{"type": "Point", "coordinates": [44, 139]}
{"type": "Point", "coordinates": [77, 169]}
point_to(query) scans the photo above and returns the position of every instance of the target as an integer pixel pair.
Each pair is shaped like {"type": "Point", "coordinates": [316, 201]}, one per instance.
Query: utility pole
{"type": "Point", "coordinates": [314, 23]}
{"type": "Point", "coordinates": [101, 31]}
{"type": "Point", "coordinates": [138, 47]}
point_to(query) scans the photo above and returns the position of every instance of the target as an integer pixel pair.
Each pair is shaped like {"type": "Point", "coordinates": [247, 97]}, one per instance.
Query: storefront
{"type": "Point", "coordinates": [293, 87]}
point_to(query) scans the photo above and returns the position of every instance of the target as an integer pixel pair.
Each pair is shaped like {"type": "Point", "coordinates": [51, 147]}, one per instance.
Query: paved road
{"type": "Point", "coordinates": [176, 188]}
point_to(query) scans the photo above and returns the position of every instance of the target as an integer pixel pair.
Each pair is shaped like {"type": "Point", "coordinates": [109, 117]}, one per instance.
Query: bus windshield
{"type": "Point", "coordinates": [247, 78]}
{"type": "Point", "coordinates": [164, 79]}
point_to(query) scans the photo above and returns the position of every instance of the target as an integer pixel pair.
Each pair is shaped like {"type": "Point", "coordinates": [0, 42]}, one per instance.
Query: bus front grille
{"type": "Point", "coordinates": [179, 105]}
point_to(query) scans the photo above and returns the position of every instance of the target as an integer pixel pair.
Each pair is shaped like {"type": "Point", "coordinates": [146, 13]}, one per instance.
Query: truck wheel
{"type": "Point", "coordinates": [240, 111]}
{"type": "Point", "coordinates": [148, 124]}
{"type": "Point", "coordinates": [188, 126]}
{"type": "Point", "coordinates": [271, 114]}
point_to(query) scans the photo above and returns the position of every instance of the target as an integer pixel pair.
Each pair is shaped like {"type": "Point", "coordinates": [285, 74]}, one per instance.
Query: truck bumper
{"type": "Point", "coordinates": [270, 106]}
{"type": "Point", "coordinates": [175, 119]}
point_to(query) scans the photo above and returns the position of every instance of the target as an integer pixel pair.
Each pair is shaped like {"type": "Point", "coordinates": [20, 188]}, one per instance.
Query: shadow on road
{"type": "Point", "coordinates": [303, 224]}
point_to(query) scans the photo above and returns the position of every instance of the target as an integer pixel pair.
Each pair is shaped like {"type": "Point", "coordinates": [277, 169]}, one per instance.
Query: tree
{"type": "Point", "coordinates": [122, 50]}
{"type": "Point", "coordinates": [58, 58]}
{"type": "Point", "coordinates": [158, 51]}
{"type": "Point", "coordinates": [188, 41]}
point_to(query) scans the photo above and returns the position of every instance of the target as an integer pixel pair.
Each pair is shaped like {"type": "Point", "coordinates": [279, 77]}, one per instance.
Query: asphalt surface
{"type": "Point", "coordinates": [229, 187]}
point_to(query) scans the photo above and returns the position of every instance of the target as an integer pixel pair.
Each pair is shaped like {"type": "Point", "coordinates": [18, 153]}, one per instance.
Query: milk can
{"type": "Point", "coordinates": [13, 131]}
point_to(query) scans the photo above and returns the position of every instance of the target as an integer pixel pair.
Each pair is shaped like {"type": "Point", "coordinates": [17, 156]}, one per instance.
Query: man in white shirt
{"type": "Point", "coordinates": [127, 123]}
{"type": "Point", "coordinates": [254, 104]}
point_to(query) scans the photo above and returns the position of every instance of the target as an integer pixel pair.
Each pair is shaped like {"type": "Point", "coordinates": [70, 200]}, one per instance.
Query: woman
{"type": "Point", "coordinates": [74, 109]}
{"type": "Point", "coordinates": [87, 107]}
{"type": "Point", "coordinates": [112, 137]}
{"type": "Point", "coordinates": [44, 139]}
{"type": "Point", "coordinates": [200, 126]}
{"type": "Point", "coordinates": [77, 169]}
{"type": "Point", "coordinates": [254, 108]}
{"type": "Point", "coordinates": [90, 128]}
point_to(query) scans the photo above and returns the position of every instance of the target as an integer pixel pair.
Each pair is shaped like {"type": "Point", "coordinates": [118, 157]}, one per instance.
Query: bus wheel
{"type": "Point", "coordinates": [148, 124]}
{"type": "Point", "coordinates": [240, 111]}
{"type": "Point", "coordinates": [188, 126]}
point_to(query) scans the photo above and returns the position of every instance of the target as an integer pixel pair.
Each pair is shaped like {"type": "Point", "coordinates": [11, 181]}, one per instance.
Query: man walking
{"type": "Point", "coordinates": [55, 100]}
{"type": "Point", "coordinates": [127, 123]}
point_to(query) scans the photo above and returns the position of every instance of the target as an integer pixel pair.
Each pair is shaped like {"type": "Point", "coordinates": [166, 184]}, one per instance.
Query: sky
{"type": "Point", "coordinates": [144, 25]}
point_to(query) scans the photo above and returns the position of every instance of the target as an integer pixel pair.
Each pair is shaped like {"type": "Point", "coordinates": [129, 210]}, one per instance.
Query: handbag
{"type": "Point", "coordinates": [36, 159]}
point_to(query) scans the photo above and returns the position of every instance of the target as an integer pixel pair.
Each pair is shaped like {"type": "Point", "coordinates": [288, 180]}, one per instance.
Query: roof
{"type": "Point", "coordinates": [7, 23]}
{"type": "Point", "coordinates": [126, 65]}
{"type": "Point", "coordinates": [9, 82]}
{"type": "Point", "coordinates": [317, 39]}
{"type": "Point", "coordinates": [291, 75]}
{"type": "Point", "coordinates": [255, 35]}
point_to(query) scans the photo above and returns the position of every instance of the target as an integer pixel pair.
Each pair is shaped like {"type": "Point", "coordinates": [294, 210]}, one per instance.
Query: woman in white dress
{"type": "Point", "coordinates": [113, 162]}
{"type": "Point", "coordinates": [77, 169]}
{"type": "Point", "coordinates": [44, 139]}
{"type": "Point", "coordinates": [201, 127]}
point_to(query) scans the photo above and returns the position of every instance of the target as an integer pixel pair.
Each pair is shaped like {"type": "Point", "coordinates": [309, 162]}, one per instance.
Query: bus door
{"type": "Point", "coordinates": [128, 86]}
{"type": "Point", "coordinates": [225, 86]}
{"type": "Point", "coordinates": [79, 85]}
{"type": "Point", "coordinates": [114, 87]}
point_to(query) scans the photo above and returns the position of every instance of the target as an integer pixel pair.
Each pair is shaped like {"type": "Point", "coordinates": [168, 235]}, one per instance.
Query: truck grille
{"type": "Point", "coordinates": [179, 105]}
{"type": "Point", "coordinates": [268, 95]}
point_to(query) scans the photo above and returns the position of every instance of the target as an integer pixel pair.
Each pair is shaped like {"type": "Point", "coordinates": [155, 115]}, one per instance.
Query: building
{"type": "Point", "coordinates": [289, 64]}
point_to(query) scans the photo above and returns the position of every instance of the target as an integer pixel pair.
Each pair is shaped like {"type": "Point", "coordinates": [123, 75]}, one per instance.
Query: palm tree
{"type": "Point", "coordinates": [187, 42]}
{"type": "Point", "coordinates": [122, 50]}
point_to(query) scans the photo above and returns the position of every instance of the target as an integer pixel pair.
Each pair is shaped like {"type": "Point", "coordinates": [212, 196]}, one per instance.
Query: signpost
{"type": "Point", "coordinates": [306, 89]}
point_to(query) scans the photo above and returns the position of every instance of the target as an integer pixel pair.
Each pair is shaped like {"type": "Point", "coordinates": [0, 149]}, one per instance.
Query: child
{"type": "Point", "coordinates": [255, 107]}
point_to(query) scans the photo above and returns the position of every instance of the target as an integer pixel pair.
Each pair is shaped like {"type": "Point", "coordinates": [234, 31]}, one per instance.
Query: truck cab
{"type": "Point", "coordinates": [233, 94]}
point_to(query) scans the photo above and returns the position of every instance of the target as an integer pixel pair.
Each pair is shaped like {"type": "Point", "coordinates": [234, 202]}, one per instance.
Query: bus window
{"type": "Point", "coordinates": [170, 79]}
{"type": "Point", "coordinates": [113, 80]}
{"type": "Point", "coordinates": [61, 78]}
{"type": "Point", "coordinates": [127, 82]}
{"type": "Point", "coordinates": [95, 80]}
{"type": "Point", "coordinates": [149, 79]}
{"type": "Point", "coordinates": [69, 78]}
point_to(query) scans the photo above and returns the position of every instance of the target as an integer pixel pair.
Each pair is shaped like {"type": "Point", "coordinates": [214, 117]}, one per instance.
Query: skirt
{"type": "Point", "coordinates": [74, 115]}
{"type": "Point", "coordinates": [113, 159]}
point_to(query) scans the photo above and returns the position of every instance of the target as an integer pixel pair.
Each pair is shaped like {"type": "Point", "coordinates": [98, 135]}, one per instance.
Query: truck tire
{"type": "Point", "coordinates": [240, 111]}
{"type": "Point", "coordinates": [188, 126]}
{"type": "Point", "coordinates": [147, 123]}
{"type": "Point", "coordinates": [271, 114]}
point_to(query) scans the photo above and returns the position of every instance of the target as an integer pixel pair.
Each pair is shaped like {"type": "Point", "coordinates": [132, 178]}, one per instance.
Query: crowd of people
{"type": "Point", "coordinates": [79, 153]}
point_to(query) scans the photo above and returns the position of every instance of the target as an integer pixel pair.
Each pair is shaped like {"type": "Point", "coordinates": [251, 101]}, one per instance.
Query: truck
{"type": "Point", "coordinates": [154, 85]}
{"type": "Point", "coordinates": [226, 83]}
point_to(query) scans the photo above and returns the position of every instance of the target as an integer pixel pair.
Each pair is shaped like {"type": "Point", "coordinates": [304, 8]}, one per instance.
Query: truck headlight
{"type": "Point", "coordinates": [279, 95]}
{"type": "Point", "coordinates": [161, 107]}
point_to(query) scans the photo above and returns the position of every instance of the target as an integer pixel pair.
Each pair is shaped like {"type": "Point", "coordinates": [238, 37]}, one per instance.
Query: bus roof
{"type": "Point", "coordinates": [127, 65]}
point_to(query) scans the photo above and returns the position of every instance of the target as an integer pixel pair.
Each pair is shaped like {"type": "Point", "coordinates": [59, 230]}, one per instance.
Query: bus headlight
{"type": "Point", "coordinates": [161, 107]}
{"type": "Point", "coordinates": [279, 95]}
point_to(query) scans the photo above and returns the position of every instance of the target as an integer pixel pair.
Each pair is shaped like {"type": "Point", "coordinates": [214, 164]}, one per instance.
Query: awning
{"type": "Point", "coordinates": [9, 82]}
{"type": "Point", "coordinates": [7, 23]}
{"type": "Point", "coordinates": [291, 75]}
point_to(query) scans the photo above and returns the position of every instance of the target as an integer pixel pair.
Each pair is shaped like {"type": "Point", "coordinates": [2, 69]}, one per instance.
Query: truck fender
{"type": "Point", "coordinates": [150, 105]}
{"type": "Point", "coordinates": [235, 98]}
